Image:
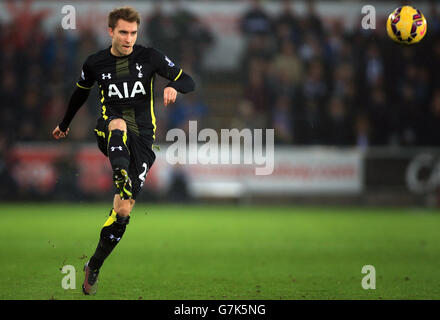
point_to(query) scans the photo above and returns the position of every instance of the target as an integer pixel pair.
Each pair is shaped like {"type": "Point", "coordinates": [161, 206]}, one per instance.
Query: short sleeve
{"type": "Point", "coordinates": [86, 79]}
{"type": "Point", "coordinates": [164, 66]}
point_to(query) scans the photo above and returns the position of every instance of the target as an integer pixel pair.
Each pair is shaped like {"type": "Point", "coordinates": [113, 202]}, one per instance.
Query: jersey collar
{"type": "Point", "coordinates": [121, 57]}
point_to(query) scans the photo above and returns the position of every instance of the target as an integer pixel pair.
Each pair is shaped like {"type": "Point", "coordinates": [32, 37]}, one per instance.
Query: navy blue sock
{"type": "Point", "coordinates": [111, 233]}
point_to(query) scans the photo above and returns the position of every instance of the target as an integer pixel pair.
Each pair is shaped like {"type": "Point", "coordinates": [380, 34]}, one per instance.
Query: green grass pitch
{"type": "Point", "coordinates": [223, 252]}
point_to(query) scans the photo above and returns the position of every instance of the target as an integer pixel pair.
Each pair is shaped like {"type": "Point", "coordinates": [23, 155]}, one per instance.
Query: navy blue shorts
{"type": "Point", "coordinates": [142, 156]}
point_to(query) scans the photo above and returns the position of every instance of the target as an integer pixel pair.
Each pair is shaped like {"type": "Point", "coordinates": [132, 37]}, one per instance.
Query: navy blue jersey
{"type": "Point", "coordinates": [125, 84]}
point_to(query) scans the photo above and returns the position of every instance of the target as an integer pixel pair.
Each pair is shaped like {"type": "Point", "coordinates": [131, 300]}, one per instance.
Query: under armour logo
{"type": "Point", "coordinates": [106, 76]}
{"type": "Point", "coordinates": [138, 67]}
{"type": "Point", "coordinates": [113, 237]}
{"type": "Point", "coordinates": [114, 148]}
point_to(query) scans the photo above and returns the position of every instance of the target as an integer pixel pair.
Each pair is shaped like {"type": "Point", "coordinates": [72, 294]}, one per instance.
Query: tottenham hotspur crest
{"type": "Point", "coordinates": [138, 67]}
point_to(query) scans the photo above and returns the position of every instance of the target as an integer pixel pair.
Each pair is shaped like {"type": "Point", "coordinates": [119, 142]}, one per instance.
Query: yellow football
{"type": "Point", "coordinates": [406, 25]}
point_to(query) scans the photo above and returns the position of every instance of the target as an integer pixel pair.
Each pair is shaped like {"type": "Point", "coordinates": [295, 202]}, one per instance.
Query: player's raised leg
{"type": "Point", "coordinates": [119, 156]}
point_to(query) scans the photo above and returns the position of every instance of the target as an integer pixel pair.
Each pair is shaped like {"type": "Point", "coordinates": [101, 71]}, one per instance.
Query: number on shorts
{"type": "Point", "coordinates": [143, 175]}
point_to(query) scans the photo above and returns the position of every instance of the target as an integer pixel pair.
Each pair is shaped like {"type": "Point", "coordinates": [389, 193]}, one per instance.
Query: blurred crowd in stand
{"type": "Point", "coordinates": [311, 79]}
{"type": "Point", "coordinates": [39, 70]}
{"type": "Point", "coordinates": [317, 83]}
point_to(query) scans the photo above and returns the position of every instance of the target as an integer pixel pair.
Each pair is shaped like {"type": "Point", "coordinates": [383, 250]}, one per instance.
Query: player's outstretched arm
{"type": "Point", "coordinates": [180, 81]}
{"type": "Point", "coordinates": [78, 98]}
{"type": "Point", "coordinates": [184, 85]}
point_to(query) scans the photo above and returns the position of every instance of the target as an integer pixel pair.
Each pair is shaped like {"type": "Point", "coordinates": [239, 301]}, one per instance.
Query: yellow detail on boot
{"type": "Point", "coordinates": [124, 138]}
{"type": "Point", "coordinates": [111, 219]}
{"type": "Point", "coordinates": [100, 133]}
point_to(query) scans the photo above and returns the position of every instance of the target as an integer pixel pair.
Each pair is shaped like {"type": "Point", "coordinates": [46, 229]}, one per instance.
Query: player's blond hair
{"type": "Point", "coordinates": [125, 13]}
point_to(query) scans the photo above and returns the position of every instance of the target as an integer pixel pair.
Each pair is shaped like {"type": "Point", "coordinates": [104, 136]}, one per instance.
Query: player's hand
{"type": "Point", "coordinates": [57, 133]}
{"type": "Point", "coordinates": [169, 96]}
